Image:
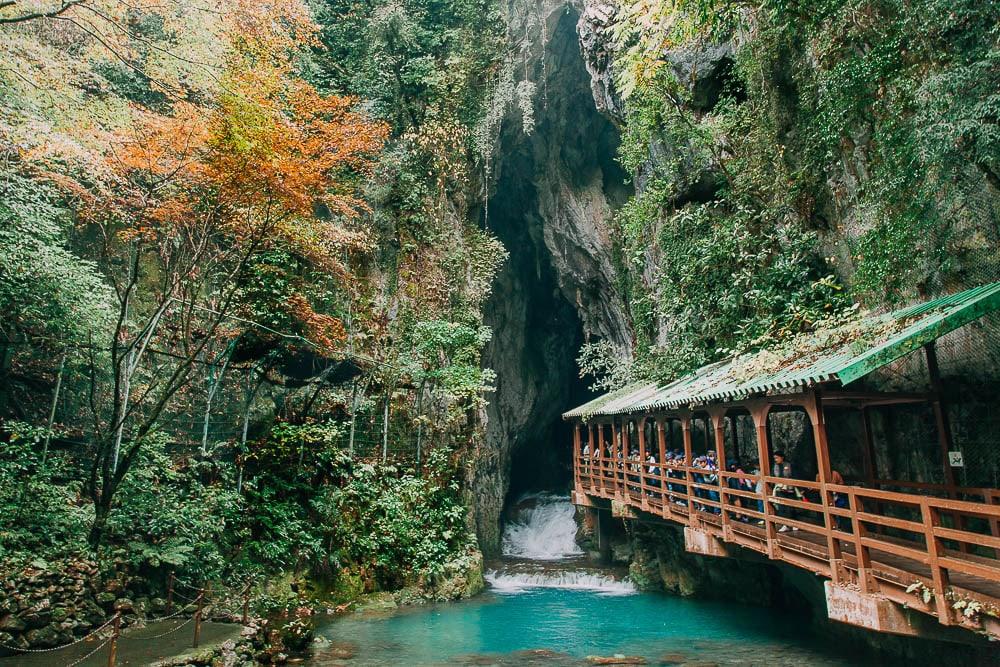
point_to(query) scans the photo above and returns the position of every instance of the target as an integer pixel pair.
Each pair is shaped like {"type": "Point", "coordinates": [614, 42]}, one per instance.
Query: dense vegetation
{"type": "Point", "coordinates": [243, 265]}
{"type": "Point", "coordinates": [847, 151]}
{"type": "Point", "coordinates": [242, 283]}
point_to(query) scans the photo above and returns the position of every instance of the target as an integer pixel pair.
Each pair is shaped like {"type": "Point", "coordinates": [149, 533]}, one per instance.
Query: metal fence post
{"type": "Point", "coordinates": [113, 650]}
{"type": "Point", "coordinates": [197, 618]}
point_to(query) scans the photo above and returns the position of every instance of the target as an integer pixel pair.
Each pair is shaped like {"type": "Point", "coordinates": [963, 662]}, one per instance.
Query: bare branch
{"type": "Point", "coordinates": [67, 4]}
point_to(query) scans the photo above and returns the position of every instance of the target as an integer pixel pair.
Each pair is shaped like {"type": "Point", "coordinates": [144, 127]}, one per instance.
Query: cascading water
{"type": "Point", "coordinates": [540, 551]}
{"type": "Point", "coordinates": [544, 530]}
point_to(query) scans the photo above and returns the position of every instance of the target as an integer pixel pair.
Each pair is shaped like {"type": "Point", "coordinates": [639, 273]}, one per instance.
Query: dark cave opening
{"type": "Point", "coordinates": [538, 330]}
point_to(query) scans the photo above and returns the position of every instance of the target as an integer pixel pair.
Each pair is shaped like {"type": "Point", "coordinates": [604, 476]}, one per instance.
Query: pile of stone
{"type": "Point", "coordinates": [48, 605]}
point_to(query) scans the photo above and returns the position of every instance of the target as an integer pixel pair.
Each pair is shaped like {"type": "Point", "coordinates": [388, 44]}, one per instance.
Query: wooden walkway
{"type": "Point", "coordinates": [935, 555]}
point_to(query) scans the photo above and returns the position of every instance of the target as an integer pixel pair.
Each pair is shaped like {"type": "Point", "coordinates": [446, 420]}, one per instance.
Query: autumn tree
{"type": "Point", "coordinates": [198, 198]}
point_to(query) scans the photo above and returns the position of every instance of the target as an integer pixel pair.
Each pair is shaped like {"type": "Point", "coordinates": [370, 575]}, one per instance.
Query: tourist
{"type": "Point", "coordinates": [783, 468]}
{"type": "Point", "coordinates": [654, 475]}
{"type": "Point", "coordinates": [635, 467]}
{"type": "Point", "coordinates": [839, 500]}
{"type": "Point", "coordinates": [738, 484]}
{"type": "Point", "coordinates": [712, 478]}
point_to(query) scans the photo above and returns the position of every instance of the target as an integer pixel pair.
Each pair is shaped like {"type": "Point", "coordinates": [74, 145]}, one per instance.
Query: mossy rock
{"type": "Point", "coordinates": [376, 602]}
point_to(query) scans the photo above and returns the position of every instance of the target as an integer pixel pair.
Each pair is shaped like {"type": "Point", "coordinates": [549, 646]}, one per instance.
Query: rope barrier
{"type": "Point", "coordinates": [162, 634]}
{"type": "Point", "coordinates": [98, 648]}
{"type": "Point", "coordinates": [200, 602]}
{"type": "Point", "coordinates": [173, 615]}
{"type": "Point", "coordinates": [59, 648]}
{"type": "Point", "coordinates": [190, 601]}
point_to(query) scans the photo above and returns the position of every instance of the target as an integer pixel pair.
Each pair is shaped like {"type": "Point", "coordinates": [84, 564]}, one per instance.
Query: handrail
{"type": "Point", "coordinates": [857, 522]}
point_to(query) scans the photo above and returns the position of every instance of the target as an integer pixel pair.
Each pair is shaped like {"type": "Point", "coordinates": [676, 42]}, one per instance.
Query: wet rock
{"type": "Point", "coordinates": [60, 614]}
{"type": "Point", "coordinates": [46, 637]}
{"type": "Point", "coordinates": [12, 624]}
{"type": "Point", "coordinates": [340, 650]}
{"type": "Point", "coordinates": [621, 552]}
{"type": "Point", "coordinates": [541, 653]}
{"type": "Point", "coordinates": [673, 659]}
{"type": "Point", "coordinates": [616, 660]}
{"type": "Point", "coordinates": [476, 660]}
{"type": "Point", "coordinates": [377, 602]}
{"type": "Point", "coordinates": [124, 604]}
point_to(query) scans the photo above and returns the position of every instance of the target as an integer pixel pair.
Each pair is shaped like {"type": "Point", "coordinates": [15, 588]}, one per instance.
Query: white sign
{"type": "Point", "coordinates": [956, 460]}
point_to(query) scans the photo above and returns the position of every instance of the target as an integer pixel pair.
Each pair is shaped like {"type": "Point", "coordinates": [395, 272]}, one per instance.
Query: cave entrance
{"type": "Point", "coordinates": [555, 188]}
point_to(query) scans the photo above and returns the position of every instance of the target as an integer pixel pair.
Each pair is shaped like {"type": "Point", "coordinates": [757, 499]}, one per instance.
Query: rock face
{"type": "Point", "coordinates": [554, 195]}
{"type": "Point", "coordinates": [44, 606]}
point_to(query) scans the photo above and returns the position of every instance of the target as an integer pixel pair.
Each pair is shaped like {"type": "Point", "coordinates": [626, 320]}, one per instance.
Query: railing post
{"type": "Point", "coordinates": [115, 633]}
{"type": "Point", "coordinates": [197, 619]}
{"type": "Point", "coordinates": [759, 413]}
{"type": "Point", "coordinates": [661, 441]}
{"type": "Point", "coordinates": [718, 420]}
{"type": "Point", "coordinates": [621, 490]}
{"type": "Point", "coordinates": [814, 408]}
{"type": "Point", "coordinates": [862, 552]}
{"type": "Point", "coordinates": [643, 465]}
{"type": "Point", "coordinates": [599, 446]}
{"type": "Point", "coordinates": [688, 457]}
{"type": "Point", "coordinates": [577, 455]}
{"type": "Point", "coordinates": [939, 575]}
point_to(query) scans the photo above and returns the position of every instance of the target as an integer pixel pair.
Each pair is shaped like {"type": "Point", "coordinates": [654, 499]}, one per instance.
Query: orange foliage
{"type": "Point", "coordinates": [270, 160]}
{"type": "Point", "coordinates": [324, 330]}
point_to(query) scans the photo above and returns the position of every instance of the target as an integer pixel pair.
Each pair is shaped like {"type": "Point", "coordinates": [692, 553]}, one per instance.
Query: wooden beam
{"type": "Point", "coordinates": [868, 446]}
{"type": "Point", "coordinates": [940, 411]}
{"type": "Point", "coordinates": [815, 411]}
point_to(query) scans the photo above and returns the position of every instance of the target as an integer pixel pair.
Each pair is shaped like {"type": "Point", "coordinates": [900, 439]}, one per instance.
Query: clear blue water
{"type": "Point", "coordinates": [569, 625]}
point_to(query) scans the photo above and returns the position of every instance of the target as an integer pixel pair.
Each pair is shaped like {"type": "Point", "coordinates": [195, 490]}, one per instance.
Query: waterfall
{"type": "Point", "coordinates": [544, 530]}
{"type": "Point", "coordinates": [581, 580]}
{"type": "Point", "coordinates": [543, 533]}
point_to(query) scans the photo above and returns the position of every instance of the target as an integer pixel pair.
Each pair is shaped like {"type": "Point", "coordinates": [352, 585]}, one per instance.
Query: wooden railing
{"type": "Point", "coordinates": [933, 550]}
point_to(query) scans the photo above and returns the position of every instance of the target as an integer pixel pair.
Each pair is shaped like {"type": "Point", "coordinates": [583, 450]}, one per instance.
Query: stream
{"type": "Point", "coordinates": [547, 605]}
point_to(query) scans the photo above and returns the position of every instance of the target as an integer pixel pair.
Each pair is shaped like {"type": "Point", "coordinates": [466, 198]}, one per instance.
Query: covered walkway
{"type": "Point", "coordinates": [885, 546]}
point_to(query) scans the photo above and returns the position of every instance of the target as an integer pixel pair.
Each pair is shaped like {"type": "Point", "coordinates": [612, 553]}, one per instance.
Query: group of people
{"type": "Point", "coordinates": [640, 474]}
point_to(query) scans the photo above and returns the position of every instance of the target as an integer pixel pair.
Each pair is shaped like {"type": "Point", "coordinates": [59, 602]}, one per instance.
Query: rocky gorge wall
{"type": "Point", "coordinates": [555, 192]}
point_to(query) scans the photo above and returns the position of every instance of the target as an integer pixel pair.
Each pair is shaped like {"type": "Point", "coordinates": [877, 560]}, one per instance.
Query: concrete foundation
{"type": "Point", "coordinates": [867, 611]}
{"type": "Point", "coordinates": [620, 510]}
{"type": "Point", "coordinates": [699, 542]}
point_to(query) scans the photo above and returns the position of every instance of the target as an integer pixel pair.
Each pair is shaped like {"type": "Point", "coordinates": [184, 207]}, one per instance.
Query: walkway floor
{"type": "Point", "coordinates": [136, 647]}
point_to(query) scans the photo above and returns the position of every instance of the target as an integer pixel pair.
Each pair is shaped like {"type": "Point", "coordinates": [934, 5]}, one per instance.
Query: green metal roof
{"type": "Point", "coordinates": [845, 353]}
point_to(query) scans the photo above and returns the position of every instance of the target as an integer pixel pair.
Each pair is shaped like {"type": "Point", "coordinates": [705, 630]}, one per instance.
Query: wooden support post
{"type": "Point", "coordinates": [717, 418]}
{"type": "Point", "coordinates": [868, 446]}
{"type": "Point", "coordinates": [170, 593]}
{"type": "Point", "coordinates": [115, 633]}
{"type": "Point", "coordinates": [577, 455]}
{"type": "Point", "coordinates": [940, 411]}
{"type": "Point", "coordinates": [814, 408]}
{"type": "Point", "coordinates": [616, 457]}
{"type": "Point", "coordinates": [594, 454]}
{"type": "Point", "coordinates": [661, 441]}
{"type": "Point", "coordinates": [688, 460]}
{"type": "Point", "coordinates": [944, 430]}
{"type": "Point", "coordinates": [939, 575]}
{"type": "Point", "coordinates": [866, 582]}
{"type": "Point", "coordinates": [641, 426]}
{"type": "Point", "coordinates": [759, 414]}
{"type": "Point", "coordinates": [622, 487]}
